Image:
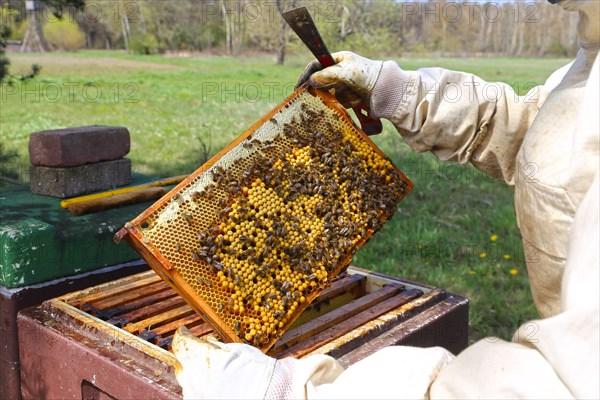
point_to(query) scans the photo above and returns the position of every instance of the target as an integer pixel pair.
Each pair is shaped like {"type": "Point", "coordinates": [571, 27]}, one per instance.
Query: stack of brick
{"type": "Point", "coordinates": [75, 161]}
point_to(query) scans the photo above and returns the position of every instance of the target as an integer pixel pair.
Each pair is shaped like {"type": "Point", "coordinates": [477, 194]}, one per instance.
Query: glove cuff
{"type": "Point", "coordinates": [280, 387]}
{"type": "Point", "coordinates": [389, 90]}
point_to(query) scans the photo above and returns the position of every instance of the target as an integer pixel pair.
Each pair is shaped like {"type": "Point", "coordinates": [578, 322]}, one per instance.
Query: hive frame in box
{"type": "Point", "coordinates": [138, 233]}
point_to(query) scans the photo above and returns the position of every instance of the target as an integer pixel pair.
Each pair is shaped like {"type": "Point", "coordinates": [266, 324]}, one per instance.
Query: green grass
{"type": "Point", "coordinates": [441, 234]}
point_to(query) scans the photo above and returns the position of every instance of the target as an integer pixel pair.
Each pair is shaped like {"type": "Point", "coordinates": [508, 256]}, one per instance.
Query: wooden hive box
{"type": "Point", "coordinates": [113, 340]}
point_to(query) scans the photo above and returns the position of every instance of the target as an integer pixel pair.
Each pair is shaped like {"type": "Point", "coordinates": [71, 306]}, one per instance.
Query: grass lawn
{"type": "Point", "coordinates": [456, 230]}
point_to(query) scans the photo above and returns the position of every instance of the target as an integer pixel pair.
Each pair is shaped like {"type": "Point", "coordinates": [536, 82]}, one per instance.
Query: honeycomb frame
{"type": "Point", "coordinates": [309, 175]}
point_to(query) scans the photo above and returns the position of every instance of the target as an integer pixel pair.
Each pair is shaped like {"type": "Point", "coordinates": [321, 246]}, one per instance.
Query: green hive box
{"type": "Point", "coordinates": [40, 241]}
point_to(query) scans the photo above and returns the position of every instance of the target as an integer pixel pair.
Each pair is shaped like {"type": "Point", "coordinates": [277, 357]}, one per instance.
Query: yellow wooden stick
{"type": "Point", "coordinates": [163, 182]}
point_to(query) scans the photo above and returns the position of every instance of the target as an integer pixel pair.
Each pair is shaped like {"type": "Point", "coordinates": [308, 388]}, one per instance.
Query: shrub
{"type": "Point", "coordinates": [557, 49]}
{"type": "Point", "coordinates": [64, 34]}
{"type": "Point", "coordinates": [144, 44]}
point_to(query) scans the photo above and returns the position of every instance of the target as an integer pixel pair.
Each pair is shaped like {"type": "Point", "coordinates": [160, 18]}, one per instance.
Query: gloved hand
{"type": "Point", "coordinates": [210, 369]}
{"type": "Point", "coordinates": [352, 78]}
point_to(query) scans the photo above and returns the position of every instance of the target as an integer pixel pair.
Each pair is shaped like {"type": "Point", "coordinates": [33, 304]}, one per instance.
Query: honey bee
{"type": "Point", "coordinates": [271, 239]}
{"type": "Point", "coordinates": [218, 174]}
{"type": "Point", "coordinates": [269, 146]}
{"type": "Point", "coordinates": [280, 233]}
{"type": "Point", "coordinates": [260, 272]}
{"type": "Point", "coordinates": [265, 251]}
{"type": "Point", "coordinates": [271, 265]}
{"type": "Point", "coordinates": [224, 212]}
{"type": "Point", "coordinates": [296, 227]}
{"type": "Point", "coordinates": [188, 218]}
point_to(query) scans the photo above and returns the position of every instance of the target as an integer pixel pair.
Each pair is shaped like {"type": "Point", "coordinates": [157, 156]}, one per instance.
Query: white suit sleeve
{"type": "Point", "coordinates": [398, 372]}
{"type": "Point", "coordinates": [458, 116]}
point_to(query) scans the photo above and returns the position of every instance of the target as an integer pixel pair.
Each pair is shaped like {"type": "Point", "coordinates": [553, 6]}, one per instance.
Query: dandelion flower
{"type": "Point", "coordinates": [494, 237]}
{"type": "Point", "coordinates": [506, 256]}
{"type": "Point", "coordinates": [483, 255]}
{"type": "Point", "coordinates": [513, 271]}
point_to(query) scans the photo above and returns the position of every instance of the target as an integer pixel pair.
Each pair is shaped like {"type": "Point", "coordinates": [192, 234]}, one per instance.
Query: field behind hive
{"type": "Point", "coordinates": [456, 230]}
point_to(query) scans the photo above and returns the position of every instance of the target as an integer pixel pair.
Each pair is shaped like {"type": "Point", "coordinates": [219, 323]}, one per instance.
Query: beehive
{"type": "Point", "coordinates": [254, 235]}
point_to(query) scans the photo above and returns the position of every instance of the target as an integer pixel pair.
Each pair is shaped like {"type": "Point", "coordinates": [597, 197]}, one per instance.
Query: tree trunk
{"type": "Point", "coordinates": [34, 37]}
{"type": "Point", "coordinates": [345, 29]}
{"type": "Point", "coordinates": [227, 28]}
{"type": "Point", "coordinates": [282, 35]}
{"type": "Point", "coordinates": [125, 30]}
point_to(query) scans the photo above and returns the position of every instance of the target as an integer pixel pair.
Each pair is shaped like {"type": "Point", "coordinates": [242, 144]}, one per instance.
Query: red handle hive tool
{"type": "Point", "coordinates": [302, 23]}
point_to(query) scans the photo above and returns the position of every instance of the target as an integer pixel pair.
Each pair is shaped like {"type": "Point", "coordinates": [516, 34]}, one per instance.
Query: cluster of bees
{"type": "Point", "coordinates": [289, 220]}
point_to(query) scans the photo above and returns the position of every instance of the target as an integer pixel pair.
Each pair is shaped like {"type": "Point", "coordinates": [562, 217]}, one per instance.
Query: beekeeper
{"type": "Point", "coordinates": [544, 144]}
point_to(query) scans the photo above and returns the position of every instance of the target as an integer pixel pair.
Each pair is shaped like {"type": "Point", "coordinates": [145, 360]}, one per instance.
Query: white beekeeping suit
{"type": "Point", "coordinates": [546, 145]}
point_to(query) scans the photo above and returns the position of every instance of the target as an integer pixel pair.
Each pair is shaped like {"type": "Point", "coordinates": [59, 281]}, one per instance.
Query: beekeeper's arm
{"type": "Point", "coordinates": [213, 370]}
{"type": "Point", "coordinates": [455, 115]}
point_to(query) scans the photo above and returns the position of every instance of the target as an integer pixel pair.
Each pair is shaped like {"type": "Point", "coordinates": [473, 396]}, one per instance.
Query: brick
{"type": "Point", "coordinates": [72, 147]}
{"type": "Point", "coordinates": [74, 181]}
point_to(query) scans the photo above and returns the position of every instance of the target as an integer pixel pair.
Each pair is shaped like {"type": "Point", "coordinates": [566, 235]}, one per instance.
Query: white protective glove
{"type": "Point", "coordinates": [209, 369]}
{"type": "Point", "coordinates": [351, 79]}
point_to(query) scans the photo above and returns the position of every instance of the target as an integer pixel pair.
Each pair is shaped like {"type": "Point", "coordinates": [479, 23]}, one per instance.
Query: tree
{"type": "Point", "coordinates": [64, 34]}
{"type": "Point", "coordinates": [5, 32]}
{"type": "Point", "coordinates": [282, 32]}
{"type": "Point", "coordinates": [34, 38]}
